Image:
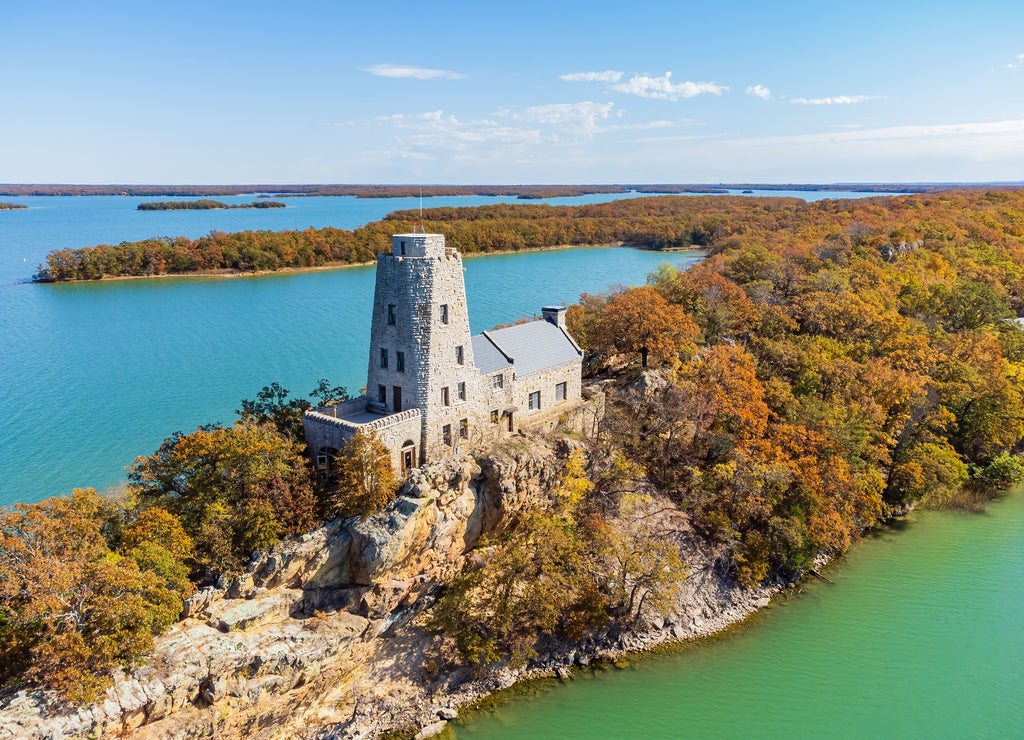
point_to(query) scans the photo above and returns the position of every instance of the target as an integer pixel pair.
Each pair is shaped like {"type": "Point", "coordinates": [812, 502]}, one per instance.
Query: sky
{"type": "Point", "coordinates": [511, 93]}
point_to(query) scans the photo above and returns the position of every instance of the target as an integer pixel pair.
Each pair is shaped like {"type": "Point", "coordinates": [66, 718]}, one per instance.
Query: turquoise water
{"type": "Point", "coordinates": [93, 374]}
{"type": "Point", "coordinates": [920, 636]}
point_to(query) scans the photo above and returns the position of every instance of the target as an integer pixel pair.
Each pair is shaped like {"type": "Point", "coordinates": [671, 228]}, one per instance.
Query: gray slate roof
{"type": "Point", "coordinates": [532, 347]}
{"type": "Point", "coordinates": [487, 357]}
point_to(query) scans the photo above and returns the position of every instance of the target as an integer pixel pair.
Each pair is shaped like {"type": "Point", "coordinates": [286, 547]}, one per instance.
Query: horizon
{"type": "Point", "coordinates": [465, 94]}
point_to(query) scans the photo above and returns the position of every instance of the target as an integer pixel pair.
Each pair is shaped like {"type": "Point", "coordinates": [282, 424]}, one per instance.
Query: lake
{"type": "Point", "coordinates": [920, 635]}
{"type": "Point", "coordinates": [94, 374]}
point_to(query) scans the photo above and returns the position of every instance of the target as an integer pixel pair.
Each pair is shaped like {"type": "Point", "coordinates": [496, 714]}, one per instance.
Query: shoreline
{"type": "Point", "coordinates": [229, 273]}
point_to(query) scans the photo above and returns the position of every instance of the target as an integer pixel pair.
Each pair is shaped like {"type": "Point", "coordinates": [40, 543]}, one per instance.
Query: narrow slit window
{"type": "Point", "coordinates": [444, 313]}
{"type": "Point", "coordinates": [446, 435]}
{"type": "Point", "coordinates": [400, 362]}
{"type": "Point", "coordinates": [460, 355]}
{"type": "Point", "coordinates": [382, 395]}
{"type": "Point", "coordinates": [445, 400]}
{"type": "Point", "coordinates": [391, 314]}
{"type": "Point", "coordinates": [462, 391]}
{"type": "Point", "coordinates": [383, 358]}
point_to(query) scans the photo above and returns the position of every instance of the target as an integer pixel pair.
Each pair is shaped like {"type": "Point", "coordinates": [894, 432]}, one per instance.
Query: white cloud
{"type": "Point", "coordinates": [579, 118]}
{"type": "Point", "coordinates": [664, 88]}
{"type": "Point", "coordinates": [837, 100]}
{"type": "Point", "coordinates": [1017, 62]}
{"type": "Point", "coordinates": [416, 73]}
{"type": "Point", "coordinates": [759, 91]}
{"type": "Point", "coordinates": [608, 76]}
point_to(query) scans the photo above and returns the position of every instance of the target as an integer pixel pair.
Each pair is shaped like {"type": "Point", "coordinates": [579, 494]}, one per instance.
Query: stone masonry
{"type": "Point", "coordinates": [428, 396]}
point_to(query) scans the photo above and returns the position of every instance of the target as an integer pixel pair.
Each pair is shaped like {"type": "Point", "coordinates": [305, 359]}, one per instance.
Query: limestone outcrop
{"type": "Point", "coordinates": [313, 604]}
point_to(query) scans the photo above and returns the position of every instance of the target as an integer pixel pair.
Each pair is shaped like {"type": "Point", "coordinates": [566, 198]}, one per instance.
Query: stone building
{"type": "Point", "coordinates": [432, 387]}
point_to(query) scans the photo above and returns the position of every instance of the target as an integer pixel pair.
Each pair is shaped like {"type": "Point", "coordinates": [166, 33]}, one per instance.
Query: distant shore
{"type": "Point", "coordinates": [526, 192]}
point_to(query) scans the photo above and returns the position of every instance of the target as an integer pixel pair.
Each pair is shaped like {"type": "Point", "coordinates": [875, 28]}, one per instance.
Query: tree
{"type": "Point", "coordinates": [325, 394]}
{"type": "Point", "coordinates": [640, 321]}
{"type": "Point", "coordinates": [366, 481]}
{"type": "Point", "coordinates": [71, 610]}
{"type": "Point", "coordinates": [273, 405]}
{"type": "Point", "coordinates": [645, 565]}
{"type": "Point", "coordinates": [235, 489]}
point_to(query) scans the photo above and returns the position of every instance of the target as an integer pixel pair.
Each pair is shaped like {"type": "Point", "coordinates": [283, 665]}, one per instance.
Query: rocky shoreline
{"type": "Point", "coordinates": [324, 636]}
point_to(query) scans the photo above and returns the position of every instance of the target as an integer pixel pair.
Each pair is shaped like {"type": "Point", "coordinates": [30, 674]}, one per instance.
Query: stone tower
{"type": "Point", "coordinates": [421, 356]}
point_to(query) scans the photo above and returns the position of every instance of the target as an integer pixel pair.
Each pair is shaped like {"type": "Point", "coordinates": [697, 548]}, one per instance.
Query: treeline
{"type": "Point", "coordinates": [357, 191]}
{"type": "Point", "coordinates": [11, 206]}
{"type": "Point", "coordinates": [428, 191]}
{"type": "Point", "coordinates": [204, 205]}
{"type": "Point", "coordinates": [652, 222]}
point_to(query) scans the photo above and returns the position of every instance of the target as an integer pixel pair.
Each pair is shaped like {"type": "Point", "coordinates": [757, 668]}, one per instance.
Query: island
{"type": "Point", "coordinates": [204, 205]}
{"type": "Point", "coordinates": [11, 206]}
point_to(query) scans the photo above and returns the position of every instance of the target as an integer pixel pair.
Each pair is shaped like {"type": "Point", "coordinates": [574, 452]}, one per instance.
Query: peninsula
{"type": "Point", "coordinates": [828, 367]}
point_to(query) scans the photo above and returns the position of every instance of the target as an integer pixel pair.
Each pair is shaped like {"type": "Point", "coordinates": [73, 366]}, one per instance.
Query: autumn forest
{"type": "Point", "coordinates": [827, 367]}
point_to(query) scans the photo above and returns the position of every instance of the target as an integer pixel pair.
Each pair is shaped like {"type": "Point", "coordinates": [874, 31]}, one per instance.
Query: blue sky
{"type": "Point", "coordinates": [525, 92]}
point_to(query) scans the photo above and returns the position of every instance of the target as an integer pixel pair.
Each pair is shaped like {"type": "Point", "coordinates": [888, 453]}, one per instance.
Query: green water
{"type": "Point", "coordinates": [921, 635]}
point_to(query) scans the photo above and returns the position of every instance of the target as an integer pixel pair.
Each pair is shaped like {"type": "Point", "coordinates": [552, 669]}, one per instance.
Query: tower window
{"type": "Point", "coordinates": [382, 394]}
{"type": "Point", "coordinates": [446, 435]}
{"type": "Point", "coordinates": [383, 358]}
{"type": "Point", "coordinates": [560, 392]}
{"type": "Point", "coordinates": [535, 401]}
{"type": "Point", "coordinates": [400, 362]}
{"type": "Point", "coordinates": [464, 429]}
{"type": "Point", "coordinates": [391, 314]}
{"type": "Point", "coordinates": [462, 391]}
{"type": "Point", "coordinates": [402, 246]}
{"type": "Point", "coordinates": [445, 400]}
{"type": "Point", "coordinates": [444, 313]}
{"type": "Point", "coordinates": [460, 355]}
{"type": "Point", "coordinates": [498, 381]}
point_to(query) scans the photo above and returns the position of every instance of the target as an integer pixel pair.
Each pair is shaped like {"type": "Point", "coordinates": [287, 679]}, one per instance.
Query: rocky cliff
{"type": "Point", "coordinates": [320, 636]}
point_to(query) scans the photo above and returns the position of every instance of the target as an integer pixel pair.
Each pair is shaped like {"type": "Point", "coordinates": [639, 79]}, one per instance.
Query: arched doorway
{"type": "Point", "coordinates": [408, 455]}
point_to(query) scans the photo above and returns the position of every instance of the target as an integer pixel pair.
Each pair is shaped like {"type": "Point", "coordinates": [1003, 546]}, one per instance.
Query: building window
{"type": "Point", "coordinates": [400, 362]}
{"type": "Point", "coordinates": [498, 381]}
{"type": "Point", "coordinates": [535, 401]}
{"type": "Point", "coordinates": [402, 245]}
{"type": "Point", "coordinates": [464, 429]}
{"type": "Point", "coordinates": [462, 391]}
{"type": "Point", "coordinates": [560, 392]}
{"type": "Point", "coordinates": [391, 314]}
{"type": "Point", "coordinates": [444, 313]}
{"type": "Point", "coordinates": [494, 416]}
{"type": "Point", "coordinates": [445, 400]}
{"type": "Point", "coordinates": [383, 358]}
{"type": "Point", "coordinates": [459, 355]}
{"type": "Point", "coordinates": [446, 435]}
{"type": "Point", "coordinates": [382, 394]}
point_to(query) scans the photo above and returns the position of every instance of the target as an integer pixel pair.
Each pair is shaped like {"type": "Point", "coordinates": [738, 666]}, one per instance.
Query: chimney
{"type": "Point", "coordinates": [554, 315]}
